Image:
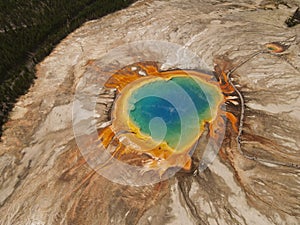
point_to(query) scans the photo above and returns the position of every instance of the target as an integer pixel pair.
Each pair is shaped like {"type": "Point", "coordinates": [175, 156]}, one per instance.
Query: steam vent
{"type": "Point", "coordinates": [165, 112]}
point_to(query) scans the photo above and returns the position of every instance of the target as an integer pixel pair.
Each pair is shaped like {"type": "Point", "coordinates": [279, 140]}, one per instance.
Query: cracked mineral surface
{"type": "Point", "coordinates": [44, 179]}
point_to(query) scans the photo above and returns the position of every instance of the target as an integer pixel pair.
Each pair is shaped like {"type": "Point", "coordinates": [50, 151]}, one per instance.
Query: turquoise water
{"type": "Point", "coordinates": [171, 110]}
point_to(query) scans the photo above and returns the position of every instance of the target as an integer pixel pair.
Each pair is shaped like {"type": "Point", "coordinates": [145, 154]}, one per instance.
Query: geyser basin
{"type": "Point", "coordinates": [169, 112]}
{"type": "Point", "coordinates": [161, 114]}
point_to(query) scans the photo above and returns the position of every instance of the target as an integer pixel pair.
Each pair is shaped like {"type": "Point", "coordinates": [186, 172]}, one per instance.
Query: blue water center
{"type": "Point", "coordinates": [171, 110]}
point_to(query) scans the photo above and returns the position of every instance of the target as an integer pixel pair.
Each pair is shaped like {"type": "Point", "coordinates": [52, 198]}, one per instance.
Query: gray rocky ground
{"type": "Point", "coordinates": [44, 179]}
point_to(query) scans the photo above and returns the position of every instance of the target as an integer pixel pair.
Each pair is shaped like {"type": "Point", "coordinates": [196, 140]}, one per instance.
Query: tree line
{"type": "Point", "coordinates": [29, 30]}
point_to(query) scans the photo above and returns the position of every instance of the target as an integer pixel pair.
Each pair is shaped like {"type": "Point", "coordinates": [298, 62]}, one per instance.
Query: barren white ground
{"type": "Point", "coordinates": [40, 183]}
